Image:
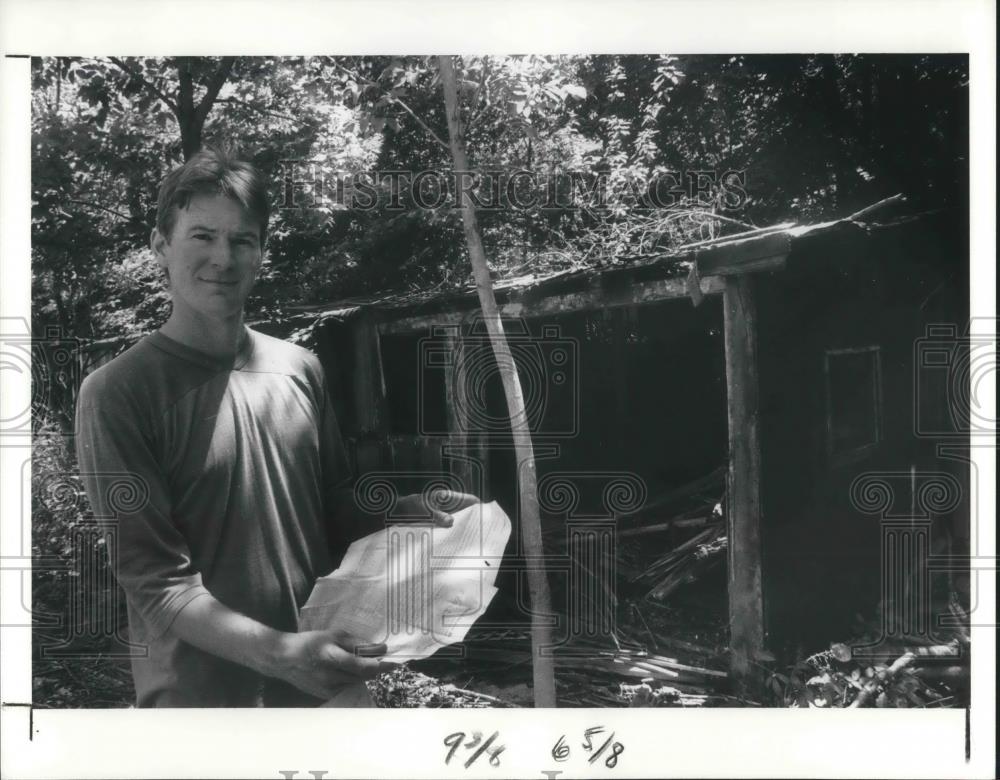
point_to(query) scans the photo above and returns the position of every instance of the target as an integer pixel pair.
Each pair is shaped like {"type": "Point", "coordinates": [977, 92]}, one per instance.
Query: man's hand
{"type": "Point", "coordinates": [350, 520]}
{"type": "Point", "coordinates": [322, 662]}
{"type": "Point", "coordinates": [317, 662]}
{"type": "Point", "coordinates": [437, 505]}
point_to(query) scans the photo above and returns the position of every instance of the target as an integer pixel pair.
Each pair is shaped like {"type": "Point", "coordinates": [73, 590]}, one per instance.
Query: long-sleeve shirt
{"type": "Point", "coordinates": [217, 476]}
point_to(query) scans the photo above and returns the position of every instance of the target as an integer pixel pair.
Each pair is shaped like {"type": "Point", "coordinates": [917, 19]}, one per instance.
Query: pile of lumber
{"type": "Point", "coordinates": [646, 666]}
{"type": "Point", "coordinates": [689, 525]}
{"type": "Point", "coordinates": [672, 540]}
{"type": "Point", "coordinates": [606, 674]}
{"type": "Point", "coordinates": [592, 673]}
{"type": "Point", "coordinates": [686, 506]}
{"type": "Point", "coordinates": [645, 695]}
{"type": "Point", "coordinates": [684, 564]}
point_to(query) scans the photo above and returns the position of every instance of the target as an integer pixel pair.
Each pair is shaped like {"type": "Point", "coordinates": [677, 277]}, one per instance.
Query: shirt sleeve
{"type": "Point", "coordinates": [127, 486]}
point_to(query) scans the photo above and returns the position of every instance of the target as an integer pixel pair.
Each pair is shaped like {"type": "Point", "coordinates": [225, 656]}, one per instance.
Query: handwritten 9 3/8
{"type": "Point", "coordinates": [476, 746]}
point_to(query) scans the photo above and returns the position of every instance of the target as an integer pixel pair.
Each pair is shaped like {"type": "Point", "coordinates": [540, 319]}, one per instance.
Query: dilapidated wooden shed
{"type": "Point", "coordinates": [791, 355]}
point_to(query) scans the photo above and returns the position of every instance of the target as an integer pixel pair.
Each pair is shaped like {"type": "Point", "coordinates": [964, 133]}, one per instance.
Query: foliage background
{"type": "Point", "coordinates": [816, 135]}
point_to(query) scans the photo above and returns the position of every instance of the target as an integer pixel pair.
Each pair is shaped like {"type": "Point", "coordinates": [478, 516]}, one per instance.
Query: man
{"type": "Point", "coordinates": [230, 446]}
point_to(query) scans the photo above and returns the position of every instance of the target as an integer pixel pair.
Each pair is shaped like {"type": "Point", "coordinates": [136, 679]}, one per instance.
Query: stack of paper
{"type": "Point", "coordinates": [417, 588]}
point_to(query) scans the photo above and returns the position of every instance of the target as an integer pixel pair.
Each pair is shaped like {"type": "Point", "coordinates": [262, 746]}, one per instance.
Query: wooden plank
{"type": "Point", "coordinates": [464, 442]}
{"type": "Point", "coordinates": [619, 369]}
{"type": "Point", "coordinates": [417, 322]}
{"type": "Point", "coordinates": [680, 522]}
{"type": "Point", "coordinates": [369, 393]}
{"type": "Point", "coordinates": [416, 453]}
{"type": "Point", "coordinates": [751, 255]}
{"type": "Point", "coordinates": [585, 300]}
{"type": "Point", "coordinates": [478, 449]}
{"type": "Point", "coordinates": [756, 232]}
{"type": "Point", "coordinates": [747, 266]}
{"type": "Point", "coordinates": [746, 603]}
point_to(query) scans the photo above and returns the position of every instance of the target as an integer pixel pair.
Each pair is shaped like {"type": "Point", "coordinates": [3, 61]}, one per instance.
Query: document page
{"type": "Point", "coordinates": [417, 588]}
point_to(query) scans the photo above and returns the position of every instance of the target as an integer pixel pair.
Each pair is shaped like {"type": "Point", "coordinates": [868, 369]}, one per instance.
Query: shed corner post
{"type": "Point", "coordinates": [369, 395]}
{"type": "Point", "coordinates": [465, 446]}
{"type": "Point", "coordinates": [743, 505]}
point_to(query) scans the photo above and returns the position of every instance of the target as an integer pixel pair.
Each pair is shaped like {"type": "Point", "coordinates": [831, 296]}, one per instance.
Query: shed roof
{"type": "Point", "coordinates": [681, 267]}
{"type": "Point", "coordinates": [746, 251]}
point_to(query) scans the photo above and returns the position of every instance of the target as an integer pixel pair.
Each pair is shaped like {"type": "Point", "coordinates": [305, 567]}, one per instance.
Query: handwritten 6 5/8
{"type": "Point", "coordinates": [561, 751]}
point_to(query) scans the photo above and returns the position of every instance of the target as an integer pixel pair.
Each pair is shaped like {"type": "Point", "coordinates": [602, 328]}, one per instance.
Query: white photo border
{"type": "Point", "coordinates": [408, 743]}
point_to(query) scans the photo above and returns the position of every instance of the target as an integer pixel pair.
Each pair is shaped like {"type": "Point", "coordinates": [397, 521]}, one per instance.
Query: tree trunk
{"type": "Point", "coordinates": [530, 519]}
{"type": "Point", "coordinates": [190, 117]}
{"type": "Point", "coordinates": [190, 129]}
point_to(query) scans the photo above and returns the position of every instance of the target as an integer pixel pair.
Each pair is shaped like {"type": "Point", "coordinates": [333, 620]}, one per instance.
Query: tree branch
{"type": "Point", "coordinates": [478, 111]}
{"type": "Point", "coordinates": [145, 82]}
{"type": "Point", "coordinates": [98, 206]}
{"type": "Point", "coordinates": [259, 110]}
{"type": "Point", "coordinates": [392, 98]}
{"type": "Point", "coordinates": [212, 88]}
{"type": "Point", "coordinates": [418, 120]}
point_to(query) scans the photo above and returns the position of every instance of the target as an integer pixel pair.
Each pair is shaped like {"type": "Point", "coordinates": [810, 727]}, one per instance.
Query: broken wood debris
{"type": "Point", "coordinates": [404, 687]}
{"type": "Point", "coordinates": [682, 649]}
{"type": "Point", "coordinates": [685, 563]}
{"type": "Point", "coordinates": [644, 695]}
{"type": "Point", "coordinates": [698, 493]}
{"type": "Point", "coordinates": [677, 522]}
{"type": "Point", "coordinates": [694, 508]}
{"type": "Point", "coordinates": [921, 676]}
{"type": "Point", "coordinates": [608, 667]}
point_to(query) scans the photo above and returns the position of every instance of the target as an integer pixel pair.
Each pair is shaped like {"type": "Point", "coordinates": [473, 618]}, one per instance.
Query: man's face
{"type": "Point", "coordinates": [212, 257]}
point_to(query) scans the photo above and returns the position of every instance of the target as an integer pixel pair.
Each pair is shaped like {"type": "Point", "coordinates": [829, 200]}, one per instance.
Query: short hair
{"type": "Point", "coordinates": [213, 170]}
